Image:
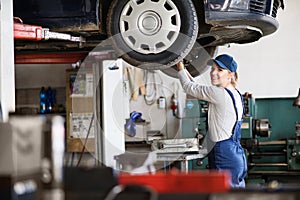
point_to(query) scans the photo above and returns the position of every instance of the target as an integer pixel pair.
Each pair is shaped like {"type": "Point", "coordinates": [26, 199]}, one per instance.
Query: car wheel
{"type": "Point", "coordinates": [196, 61]}
{"type": "Point", "coordinates": [152, 34]}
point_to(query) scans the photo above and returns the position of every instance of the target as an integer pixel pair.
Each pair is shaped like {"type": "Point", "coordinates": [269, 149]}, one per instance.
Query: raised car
{"type": "Point", "coordinates": [152, 34]}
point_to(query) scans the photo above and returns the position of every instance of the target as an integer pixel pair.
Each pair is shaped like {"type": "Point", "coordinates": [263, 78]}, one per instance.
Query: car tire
{"type": "Point", "coordinates": [164, 38]}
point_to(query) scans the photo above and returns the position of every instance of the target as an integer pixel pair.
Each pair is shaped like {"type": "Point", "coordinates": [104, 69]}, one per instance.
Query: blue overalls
{"type": "Point", "coordinates": [229, 154]}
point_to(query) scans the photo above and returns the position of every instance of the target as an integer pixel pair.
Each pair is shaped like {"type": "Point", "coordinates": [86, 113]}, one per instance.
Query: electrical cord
{"type": "Point", "coordinates": [1, 115]}
{"type": "Point", "coordinates": [85, 141]}
{"type": "Point", "coordinates": [151, 98]}
{"type": "Point", "coordinates": [161, 88]}
{"type": "Point", "coordinates": [152, 95]}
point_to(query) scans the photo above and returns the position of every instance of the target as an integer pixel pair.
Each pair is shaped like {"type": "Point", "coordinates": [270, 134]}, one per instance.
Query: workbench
{"type": "Point", "coordinates": [144, 159]}
{"type": "Point", "coordinates": [182, 158]}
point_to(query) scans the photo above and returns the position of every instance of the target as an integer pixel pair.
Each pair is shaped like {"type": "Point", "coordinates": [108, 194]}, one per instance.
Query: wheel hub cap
{"type": "Point", "coordinates": [149, 23]}
{"type": "Point", "coordinates": [150, 27]}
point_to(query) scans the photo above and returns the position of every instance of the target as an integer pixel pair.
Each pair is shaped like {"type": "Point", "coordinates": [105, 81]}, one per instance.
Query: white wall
{"type": "Point", "coordinates": [270, 67]}
{"type": "Point", "coordinates": [161, 119]}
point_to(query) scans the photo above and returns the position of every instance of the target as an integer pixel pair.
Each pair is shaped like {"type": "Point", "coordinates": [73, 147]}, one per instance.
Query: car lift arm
{"type": "Point", "coordinates": [37, 33]}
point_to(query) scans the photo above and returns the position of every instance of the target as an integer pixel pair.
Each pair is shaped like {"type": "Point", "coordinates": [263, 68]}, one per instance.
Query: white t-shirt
{"type": "Point", "coordinates": [221, 112]}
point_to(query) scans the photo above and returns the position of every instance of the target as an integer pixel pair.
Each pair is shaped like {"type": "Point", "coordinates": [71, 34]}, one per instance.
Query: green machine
{"type": "Point", "coordinates": [194, 126]}
{"type": "Point", "coordinates": [270, 137]}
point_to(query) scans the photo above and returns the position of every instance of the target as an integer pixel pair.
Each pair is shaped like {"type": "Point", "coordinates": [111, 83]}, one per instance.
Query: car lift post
{"type": "Point", "coordinates": [7, 69]}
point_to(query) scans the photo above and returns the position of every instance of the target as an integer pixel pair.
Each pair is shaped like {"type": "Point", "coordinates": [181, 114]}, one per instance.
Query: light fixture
{"type": "Point", "coordinates": [297, 100]}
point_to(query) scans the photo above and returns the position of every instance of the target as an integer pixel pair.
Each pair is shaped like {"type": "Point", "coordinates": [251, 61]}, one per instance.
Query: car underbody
{"type": "Point", "coordinates": [132, 27]}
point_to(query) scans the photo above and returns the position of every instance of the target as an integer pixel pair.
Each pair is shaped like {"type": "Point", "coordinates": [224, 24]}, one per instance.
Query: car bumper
{"type": "Point", "coordinates": [265, 23]}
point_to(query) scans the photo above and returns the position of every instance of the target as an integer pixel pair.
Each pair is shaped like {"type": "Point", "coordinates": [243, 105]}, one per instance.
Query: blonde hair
{"type": "Point", "coordinates": [234, 79]}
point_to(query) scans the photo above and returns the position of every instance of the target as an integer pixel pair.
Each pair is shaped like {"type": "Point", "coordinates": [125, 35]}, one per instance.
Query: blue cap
{"type": "Point", "coordinates": [226, 62]}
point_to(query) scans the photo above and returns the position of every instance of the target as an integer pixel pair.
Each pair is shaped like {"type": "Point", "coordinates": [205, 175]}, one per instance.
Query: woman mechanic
{"type": "Point", "coordinates": [224, 116]}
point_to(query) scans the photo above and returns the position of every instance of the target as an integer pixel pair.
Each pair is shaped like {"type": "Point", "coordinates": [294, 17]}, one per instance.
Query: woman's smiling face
{"type": "Point", "coordinates": [220, 77]}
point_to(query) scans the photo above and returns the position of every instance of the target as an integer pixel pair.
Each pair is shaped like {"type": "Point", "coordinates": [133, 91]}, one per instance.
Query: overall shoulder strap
{"type": "Point", "coordinates": [242, 99]}
{"type": "Point", "coordinates": [233, 100]}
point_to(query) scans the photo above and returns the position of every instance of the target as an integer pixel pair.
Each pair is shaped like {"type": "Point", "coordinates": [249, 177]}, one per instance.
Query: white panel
{"type": "Point", "coordinates": [113, 111]}
{"type": "Point", "coordinates": [7, 76]}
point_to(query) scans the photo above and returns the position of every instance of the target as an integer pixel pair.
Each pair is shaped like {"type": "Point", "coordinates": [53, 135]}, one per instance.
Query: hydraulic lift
{"type": "Point", "coordinates": [38, 33]}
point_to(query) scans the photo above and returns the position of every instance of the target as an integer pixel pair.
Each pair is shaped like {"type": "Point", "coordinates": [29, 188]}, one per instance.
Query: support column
{"type": "Point", "coordinates": [7, 71]}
